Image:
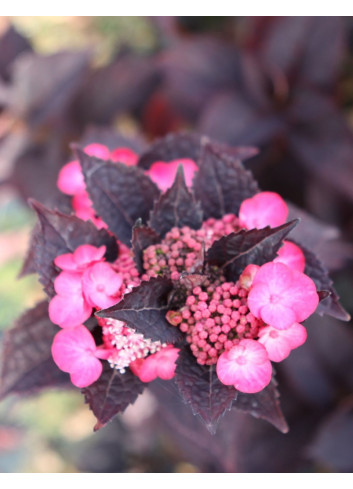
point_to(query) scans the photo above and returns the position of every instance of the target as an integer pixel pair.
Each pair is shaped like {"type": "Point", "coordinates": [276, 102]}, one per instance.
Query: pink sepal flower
{"type": "Point", "coordinates": [74, 351]}
{"type": "Point", "coordinates": [68, 308]}
{"type": "Point", "coordinates": [281, 296]}
{"type": "Point", "coordinates": [161, 364]}
{"type": "Point", "coordinates": [70, 179]}
{"type": "Point", "coordinates": [124, 155]}
{"type": "Point", "coordinates": [279, 343]}
{"type": "Point", "coordinates": [291, 255]}
{"type": "Point", "coordinates": [264, 209]}
{"type": "Point", "coordinates": [81, 258]}
{"type": "Point", "coordinates": [163, 174]}
{"type": "Point", "coordinates": [246, 366]}
{"type": "Point", "coordinates": [98, 150]}
{"type": "Point", "coordinates": [82, 205]}
{"type": "Point", "coordinates": [101, 285]}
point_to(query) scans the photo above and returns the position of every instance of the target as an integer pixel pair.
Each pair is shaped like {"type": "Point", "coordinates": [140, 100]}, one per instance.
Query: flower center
{"type": "Point", "coordinates": [241, 360]}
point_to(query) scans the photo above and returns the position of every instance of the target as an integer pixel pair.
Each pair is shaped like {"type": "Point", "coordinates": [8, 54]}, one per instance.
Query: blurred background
{"type": "Point", "coordinates": [281, 84]}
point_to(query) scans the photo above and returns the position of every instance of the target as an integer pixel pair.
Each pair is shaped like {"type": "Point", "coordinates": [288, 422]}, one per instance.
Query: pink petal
{"type": "Point", "coordinates": [101, 285]}
{"type": "Point", "coordinates": [163, 174]}
{"type": "Point", "coordinates": [278, 315]}
{"type": "Point", "coordinates": [87, 254]}
{"type": "Point", "coordinates": [280, 343]}
{"type": "Point", "coordinates": [70, 179]}
{"type": "Point", "coordinates": [68, 312]}
{"type": "Point", "coordinates": [161, 364]}
{"type": "Point", "coordinates": [124, 155]}
{"type": "Point", "coordinates": [68, 284]}
{"type": "Point", "coordinates": [73, 351]}
{"type": "Point", "coordinates": [291, 255]}
{"type": "Point", "coordinates": [145, 371]}
{"type": "Point", "coordinates": [82, 205]}
{"type": "Point", "coordinates": [303, 296]}
{"type": "Point", "coordinates": [98, 150]}
{"type": "Point", "coordinates": [264, 209]}
{"type": "Point", "coordinates": [277, 276]}
{"type": "Point", "coordinates": [246, 366]}
{"type": "Point", "coordinates": [66, 262]}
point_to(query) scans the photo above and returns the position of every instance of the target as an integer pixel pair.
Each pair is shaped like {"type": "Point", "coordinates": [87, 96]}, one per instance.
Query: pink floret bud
{"type": "Point", "coordinates": [161, 364]}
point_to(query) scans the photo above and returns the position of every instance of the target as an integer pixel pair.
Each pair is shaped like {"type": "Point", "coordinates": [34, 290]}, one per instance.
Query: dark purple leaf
{"type": "Point", "coordinates": [257, 246]}
{"type": "Point", "coordinates": [111, 394]}
{"type": "Point", "coordinates": [12, 43]}
{"type": "Point", "coordinates": [200, 387]}
{"type": "Point", "coordinates": [222, 183]}
{"type": "Point", "coordinates": [144, 309]}
{"type": "Point", "coordinates": [264, 404]}
{"type": "Point", "coordinates": [332, 446]}
{"type": "Point", "coordinates": [120, 194]}
{"type": "Point", "coordinates": [40, 98]}
{"type": "Point", "coordinates": [27, 364]}
{"type": "Point", "coordinates": [176, 208]}
{"type": "Point", "coordinates": [318, 273]}
{"type": "Point", "coordinates": [188, 145]}
{"type": "Point", "coordinates": [235, 119]}
{"type": "Point", "coordinates": [122, 86]}
{"type": "Point", "coordinates": [57, 233]}
{"type": "Point", "coordinates": [142, 238]}
{"type": "Point", "coordinates": [196, 69]}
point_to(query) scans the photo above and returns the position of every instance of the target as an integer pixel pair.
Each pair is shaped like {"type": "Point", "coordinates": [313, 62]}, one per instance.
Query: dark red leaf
{"type": "Point", "coordinates": [176, 208]}
{"type": "Point", "coordinates": [264, 404]}
{"type": "Point", "coordinates": [111, 394]}
{"type": "Point", "coordinates": [144, 309]}
{"type": "Point", "coordinates": [318, 273]}
{"type": "Point", "coordinates": [200, 387]}
{"type": "Point", "coordinates": [27, 364]}
{"type": "Point", "coordinates": [120, 194]}
{"type": "Point", "coordinates": [222, 183]}
{"type": "Point", "coordinates": [142, 238]}
{"type": "Point", "coordinates": [57, 233]}
{"type": "Point", "coordinates": [257, 246]}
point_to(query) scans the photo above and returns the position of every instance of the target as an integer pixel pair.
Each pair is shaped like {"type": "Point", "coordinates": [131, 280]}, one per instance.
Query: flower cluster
{"type": "Point", "coordinates": [173, 266]}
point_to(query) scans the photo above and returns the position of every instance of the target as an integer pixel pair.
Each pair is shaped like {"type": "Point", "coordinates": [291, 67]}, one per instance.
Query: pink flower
{"type": "Point", "coordinates": [264, 209]}
{"type": "Point", "coordinates": [124, 155]}
{"type": "Point", "coordinates": [291, 255]}
{"type": "Point", "coordinates": [281, 296]}
{"type": "Point", "coordinates": [74, 351]}
{"type": "Point", "coordinates": [70, 179]}
{"type": "Point", "coordinates": [279, 343]}
{"type": "Point", "coordinates": [101, 285]}
{"type": "Point", "coordinates": [81, 258]}
{"type": "Point", "coordinates": [246, 366]}
{"type": "Point", "coordinates": [163, 174]}
{"type": "Point", "coordinates": [82, 205]}
{"type": "Point", "coordinates": [69, 308]}
{"type": "Point", "coordinates": [160, 364]}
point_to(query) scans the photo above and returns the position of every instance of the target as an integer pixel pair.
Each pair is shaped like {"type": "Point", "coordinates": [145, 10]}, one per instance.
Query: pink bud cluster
{"type": "Point", "coordinates": [215, 319]}
{"type": "Point", "coordinates": [124, 344]}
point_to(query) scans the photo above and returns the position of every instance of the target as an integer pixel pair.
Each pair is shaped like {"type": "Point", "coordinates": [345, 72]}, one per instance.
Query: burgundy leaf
{"type": "Point", "coordinates": [40, 98]}
{"type": "Point", "coordinates": [111, 394]}
{"type": "Point", "coordinates": [142, 238]}
{"type": "Point", "coordinates": [331, 446]}
{"type": "Point", "coordinates": [171, 147]}
{"type": "Point", "coordinates": [12, 43]}
{"type": "Point", "coordinates": [144, 309]}
{"type": "Point", "coordinates": [121, 194]}
{"type": "Point", "coordinates": [57, 233]}
{"type": "Point", "coordinates": [222, 183]}
{"type": "Point", "coordinates": [264, 404]}
{"type": "Point", "coordinates": [176, 208]}
{"type": "Point", "coordinates": [27, 364]}
{"type": "Point", "coordinates": [257, 246]}
{"type": "Point", "coordinates": [188, 145]}
{"type": "Point", "coordinates": [318, 273]}
{"type": "Point", "coordinates": [200, 387]}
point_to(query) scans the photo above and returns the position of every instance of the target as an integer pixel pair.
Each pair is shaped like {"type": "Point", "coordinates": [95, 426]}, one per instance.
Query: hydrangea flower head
{"type": "Point", "coordinates": [181, 270]}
